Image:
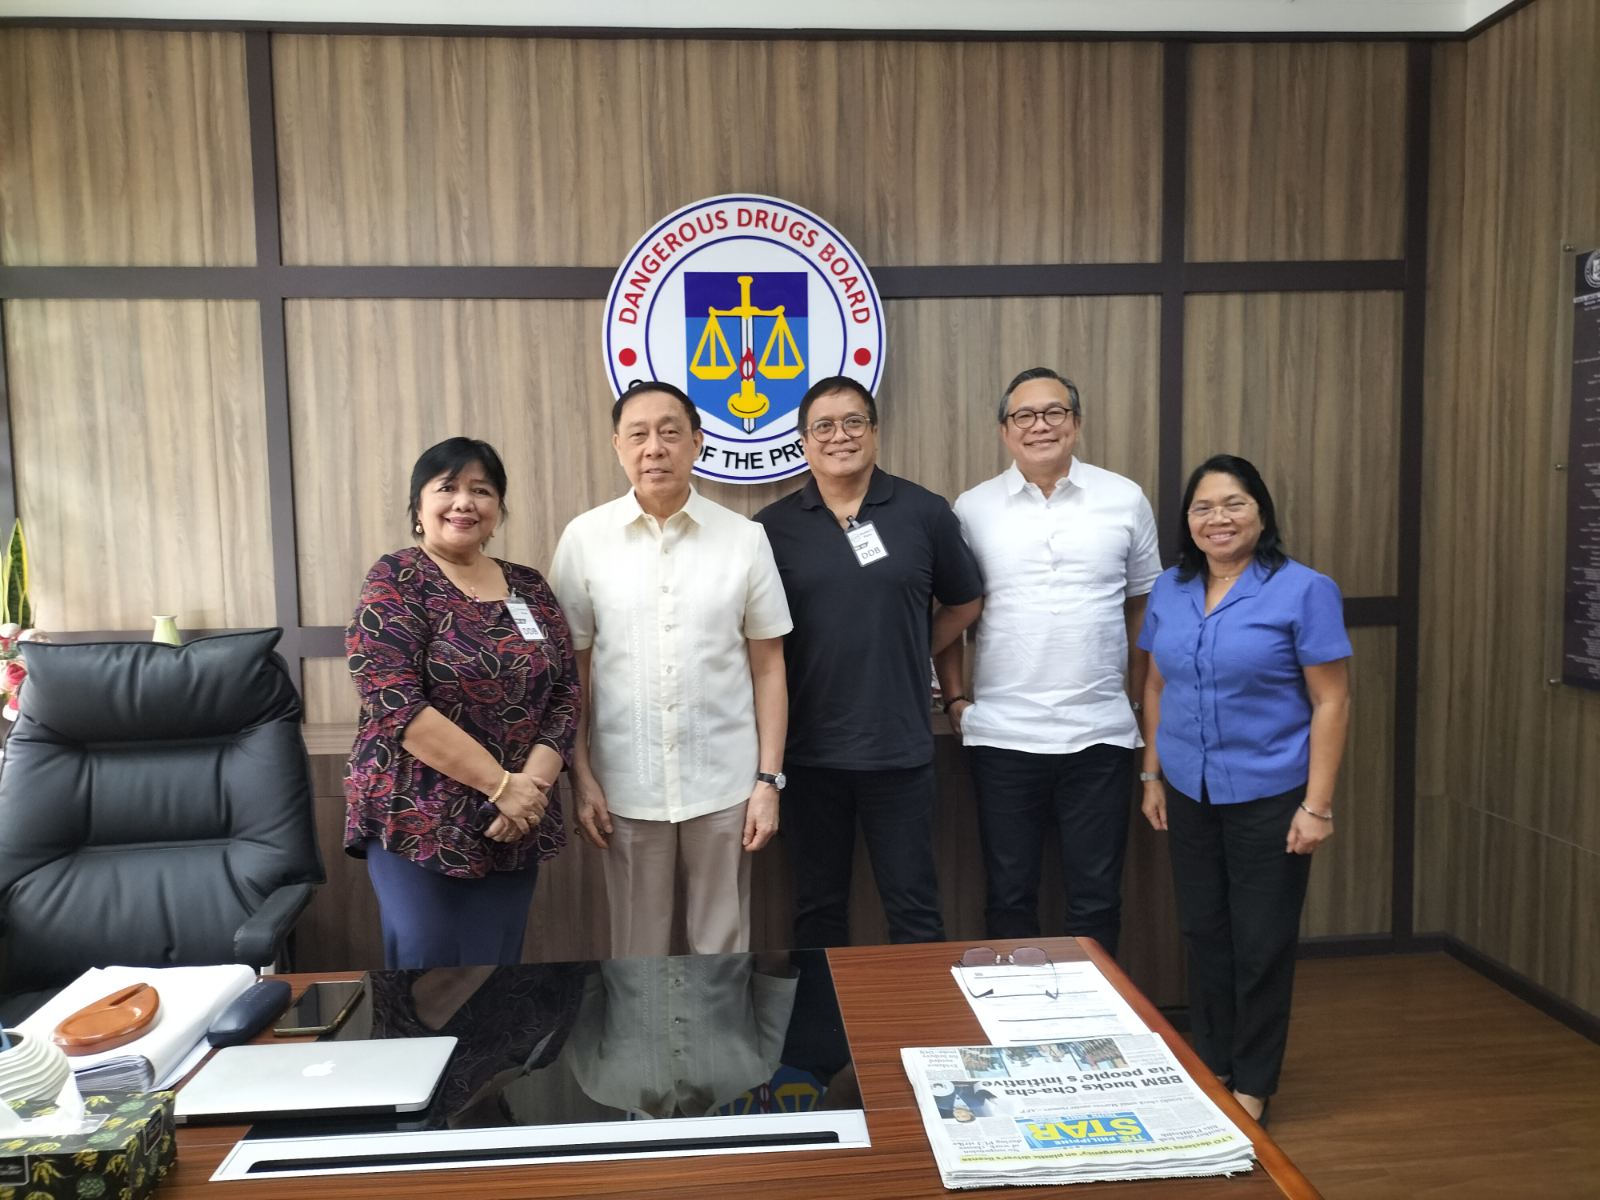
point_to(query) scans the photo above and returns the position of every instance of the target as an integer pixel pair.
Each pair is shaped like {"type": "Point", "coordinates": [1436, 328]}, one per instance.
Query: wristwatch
{"type": "Point", "coordinates": [1149, 776]}
{"type": "Point", "coordinates": [779, 781]}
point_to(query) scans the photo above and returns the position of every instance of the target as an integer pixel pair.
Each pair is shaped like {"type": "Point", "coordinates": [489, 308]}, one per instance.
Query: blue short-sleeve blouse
{"type": "Point", "coordinates": [1235, 715]}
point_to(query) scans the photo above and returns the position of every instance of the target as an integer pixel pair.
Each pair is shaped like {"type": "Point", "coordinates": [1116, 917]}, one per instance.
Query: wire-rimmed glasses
{"type": "Point", "coordinates": [854, 426]}
{"type": "Point", "coordinates": [1235, 507]}
{"type": "Point", "coordinates": [1022, 956]}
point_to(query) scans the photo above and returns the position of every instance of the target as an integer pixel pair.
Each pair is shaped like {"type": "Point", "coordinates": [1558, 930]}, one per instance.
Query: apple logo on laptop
{"type": "Point", "coordinates": [318, 1070]}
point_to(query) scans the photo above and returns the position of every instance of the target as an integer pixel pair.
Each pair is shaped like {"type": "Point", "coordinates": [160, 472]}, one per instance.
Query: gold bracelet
{"type": "Point", "coordinates": [1319, 816]}
{"type": "Point", "coordinates": [494, 796]}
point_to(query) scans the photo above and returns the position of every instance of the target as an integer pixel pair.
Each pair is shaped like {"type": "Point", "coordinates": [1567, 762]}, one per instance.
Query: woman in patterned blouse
{"type": "Point", "coordinates": [469, 705]}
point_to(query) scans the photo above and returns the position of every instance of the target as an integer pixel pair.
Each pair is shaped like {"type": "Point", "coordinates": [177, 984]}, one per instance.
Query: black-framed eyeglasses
{"type": "Point", "coordinates": [1022, 956]}
{"type": "Point", "coordinates": [1024, 418]}
{"type": "Point", "coordinates": [854, 426]}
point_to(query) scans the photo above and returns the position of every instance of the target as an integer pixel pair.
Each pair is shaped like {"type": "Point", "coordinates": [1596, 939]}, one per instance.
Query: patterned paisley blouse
{"type": "Point", "coordinates": [418, 641]}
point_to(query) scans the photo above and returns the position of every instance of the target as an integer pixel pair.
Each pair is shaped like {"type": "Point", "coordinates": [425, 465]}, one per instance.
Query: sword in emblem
{"type": "Point", "coordinates": [747, 404]}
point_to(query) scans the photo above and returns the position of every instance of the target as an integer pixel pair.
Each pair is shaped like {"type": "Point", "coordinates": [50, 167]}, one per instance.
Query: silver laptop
{"type": "Point", "coordinates": [315, 1079]}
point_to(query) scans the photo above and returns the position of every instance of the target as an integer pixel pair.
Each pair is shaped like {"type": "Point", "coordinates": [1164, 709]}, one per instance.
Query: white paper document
{"type": "Point", "coordinates": [191, 998]}
{"type": "Point", "coordinates": [1051, 1002]}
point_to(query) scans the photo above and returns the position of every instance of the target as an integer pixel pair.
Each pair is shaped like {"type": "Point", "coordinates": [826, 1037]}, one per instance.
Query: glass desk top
{"type": "Point", "coordinates": [700, 1053]}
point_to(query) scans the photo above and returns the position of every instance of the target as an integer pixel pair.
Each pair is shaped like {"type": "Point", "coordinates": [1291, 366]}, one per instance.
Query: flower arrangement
{"type": "Point", "coordinates": [16, 620]}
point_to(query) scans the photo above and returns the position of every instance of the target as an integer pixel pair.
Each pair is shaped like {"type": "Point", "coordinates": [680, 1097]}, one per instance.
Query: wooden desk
{"type": "Point", "coordinates": [891, 996]}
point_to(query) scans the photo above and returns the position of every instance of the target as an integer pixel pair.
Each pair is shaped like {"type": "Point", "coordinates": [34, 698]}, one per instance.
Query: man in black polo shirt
{"type": "Point", "coordinates": [863, 555]}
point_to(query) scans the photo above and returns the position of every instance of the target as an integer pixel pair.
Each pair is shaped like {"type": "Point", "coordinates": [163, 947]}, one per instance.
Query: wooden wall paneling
{"type": "Point", "coordinates": [330, 697]}
{"type": "Point", "coordinates": [1466, 212]}
{"type": "Point", "coordinates": [374, 383]}
{"type": "Point", "coordinates": [399, 375]}
{"type": "Point", "coordinates": [1585, 930]}
{"type": "Point", "coordinates": [1151, 951]}
{"type": "Point", "coordinates": [1350, 884]}
{"type": "Point", "coordinates": [340, 929]}
{"type": "Point", "coordinates": [1497, 735]}
{"type": "Point", "coordinates": [549, 151]}
{"type": "Point", "coordinates": [1527, 916]}
{"type": "Point", "coordinates": [123, 147]}
{"type": "Point", "coordinates": [940, 403]}
{"type": "Point", "coordinates": [1512, 758]}
{"type": "Point", "coordinates": [1296, 151]}
{"type": "Point", "coordinates": [139, 452]}
{"type": "Point", "coordinates": [1449, 868]}
{"type": "Point", "coordinates": [1306, 386]}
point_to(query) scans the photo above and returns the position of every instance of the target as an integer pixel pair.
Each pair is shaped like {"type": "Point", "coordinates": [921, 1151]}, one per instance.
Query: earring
{"type": "Point", "coordinates": [417, 529]}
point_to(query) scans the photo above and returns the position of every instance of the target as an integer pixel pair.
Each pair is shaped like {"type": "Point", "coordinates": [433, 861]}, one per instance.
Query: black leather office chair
{"type": "Point", "coordinates": [155, 810]}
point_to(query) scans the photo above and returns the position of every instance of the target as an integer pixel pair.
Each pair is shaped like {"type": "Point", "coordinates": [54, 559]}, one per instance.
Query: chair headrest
{"type": "Point", "coordinates": [123, 691]}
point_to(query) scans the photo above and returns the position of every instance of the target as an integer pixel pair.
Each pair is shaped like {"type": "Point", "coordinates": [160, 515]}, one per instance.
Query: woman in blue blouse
{"type": "Point", "coordinates": [1245, 710]}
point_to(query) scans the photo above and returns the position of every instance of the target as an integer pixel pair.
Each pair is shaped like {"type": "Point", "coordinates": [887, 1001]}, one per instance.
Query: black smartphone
{"type": "Point", "coordinates": [320, 1009]}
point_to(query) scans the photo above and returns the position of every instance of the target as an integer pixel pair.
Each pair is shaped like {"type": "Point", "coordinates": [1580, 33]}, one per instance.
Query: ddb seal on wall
{"type": "Point", "coordinates": [744, 302]}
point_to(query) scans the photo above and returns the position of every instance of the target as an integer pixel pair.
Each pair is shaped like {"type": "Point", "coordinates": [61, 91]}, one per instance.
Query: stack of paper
{"type": "Point", "coordinates": [1090, 1109]}
{"type": "Point", "coordinates": [1046, 1002]}
{"type": "Point", "coordinates": [191, 998]}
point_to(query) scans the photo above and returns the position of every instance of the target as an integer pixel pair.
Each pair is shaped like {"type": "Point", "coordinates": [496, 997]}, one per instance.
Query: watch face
{"type": "Point", "coordinates": [780, 781]}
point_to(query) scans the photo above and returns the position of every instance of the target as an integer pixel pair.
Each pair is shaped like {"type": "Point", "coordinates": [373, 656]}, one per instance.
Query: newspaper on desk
{"type": "Point", "coordinates": [1117, 1107]}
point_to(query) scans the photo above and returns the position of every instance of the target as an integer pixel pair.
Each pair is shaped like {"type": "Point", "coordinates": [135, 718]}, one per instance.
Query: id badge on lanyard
{"type": "Point", "coordinates": [865, 542]}
{"type": "Point", "coordinates": [527, 626]}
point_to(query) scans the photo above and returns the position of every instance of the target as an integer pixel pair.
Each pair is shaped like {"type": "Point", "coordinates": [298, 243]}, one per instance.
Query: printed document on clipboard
{"type": "Point", "coordinates": [1020, 1005]}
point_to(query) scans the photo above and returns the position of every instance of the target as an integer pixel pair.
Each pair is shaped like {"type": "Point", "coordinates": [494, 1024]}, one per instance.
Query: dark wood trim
{"type": "Point", "coordinates": [1579, 1020]}
{"type": "Point", "coordinates": [1354, 275]}
{"type": "Point", "coordinates": [327, 641]}
{"type": "Point", "coordinates": [1369, 612]}
{"type": "Point", "coordinates": [1359, 945]}
{"type": "Point", "coordinates": [1414, 309]}
{"type": "Point", "coordinates": [263, 147]}
{"type": "Point", "coordinates": [8, 476]}
{"type": "Point", "coordinates": [81, 637]}
{"type": "Point", "coordinates": [1019, 279]}
{"type": "Point", "coordinates": [738, 34]}
{"type": "Point", "coordinates": [274, 351]}
{"type": "Point", "coordinates": [322, 641]}
{"type": "Point", "coordinates": [1494, 18]}
{"type": "Point", "coordinates": [272, 280]}
{"type": "Point", "coordinates": [1174, 222]}
{"type": "Point", "coordinates": [1574, 1017]}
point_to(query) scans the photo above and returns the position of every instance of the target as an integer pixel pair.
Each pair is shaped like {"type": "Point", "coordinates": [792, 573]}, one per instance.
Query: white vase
{"type": "Point", "coordinates": [166, 630]}
{"type": "Point", "coordinates": [33, 1069]}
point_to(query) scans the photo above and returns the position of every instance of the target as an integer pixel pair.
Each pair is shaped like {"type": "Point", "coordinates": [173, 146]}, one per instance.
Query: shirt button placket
{"type": "Point", "coordinates": [666, 625]}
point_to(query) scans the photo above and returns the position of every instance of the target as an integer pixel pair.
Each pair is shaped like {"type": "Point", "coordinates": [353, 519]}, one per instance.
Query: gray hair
{"type": "Point", "coordinates": [1029, 376]}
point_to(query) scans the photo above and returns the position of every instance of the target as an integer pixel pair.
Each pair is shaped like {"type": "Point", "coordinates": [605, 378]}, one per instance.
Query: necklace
{"type": "Point", "coordinates": [456, 576]}
{"type": "Point", "coordinates": [1227, 578]}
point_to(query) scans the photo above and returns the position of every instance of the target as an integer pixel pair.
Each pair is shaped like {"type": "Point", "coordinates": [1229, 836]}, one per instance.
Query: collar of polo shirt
{"type": "Point", "coordinates": [878, 490]}
{"type": "Point", "coordinates": [694, 508]}
{"type": "Point", "coordinates": [1016, 481]}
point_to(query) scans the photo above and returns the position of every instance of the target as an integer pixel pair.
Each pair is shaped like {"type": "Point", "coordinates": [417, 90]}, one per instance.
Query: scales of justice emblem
{"type": "Point", "coordinates": [713, 360]}
{"type": "Point", "coordinates": [744, 302]}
